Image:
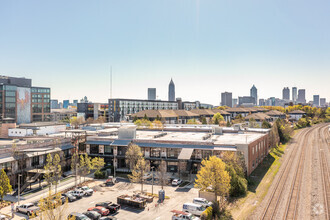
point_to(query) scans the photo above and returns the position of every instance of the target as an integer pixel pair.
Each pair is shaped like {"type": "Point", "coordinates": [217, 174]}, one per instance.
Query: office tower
{"type": "Point", "coordinates": [23, 103]}
{"type": "Point", "coordinates": [66, 103]}
{"type": "Point", "coordinates": [316, 100]}
{"type": "Point", "coordinates": [171, 91]}
{"type": "Point", "coordinates": [262, 102]}
{"type": "Point", "coordinates": [254, 94]}
{"type": "Point", "coordinates": [226, 99]}
{"type": "Point", "coordinates": [301, 96]}
{"type": "Point", "coordinates": [294, 94]}
{"type": "Point", "coordinates": [151, 93]}
{"type": "Point", "coordinates": [286, 93]}
{"type": "Point", "coordinates": [247, 100]}
{"type": "Point", "coordinates": [54, 104]}
{"type": "Point", "coordinates": [323, 102]}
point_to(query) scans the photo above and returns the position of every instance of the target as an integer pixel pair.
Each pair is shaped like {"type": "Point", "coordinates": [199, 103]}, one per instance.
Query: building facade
{"type": "Point", "coordinates": [151, 93]}
{"type": "Point", "coordinates": [246, 100]}
{"type": "Point", "coordinates": [316, 100]}
{"type": "Point", "coordinates": [227, 99]}
{"type": "Point", "coordinates": [294, 94]}
{"type": "Point", "coordinates": [286, 93]}
{"type": "Point", "coordinates": [22, 103]}
{"type": "Point", "coordinates": [323, 102]}
{"type": "Point", "coordinates": [301, 96]}
{"type": "Point", "coordinates": [171, 91]}
{"type": "Point", "coordinates": [254, 94]}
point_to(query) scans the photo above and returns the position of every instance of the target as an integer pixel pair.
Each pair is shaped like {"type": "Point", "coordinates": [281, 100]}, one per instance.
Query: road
{"type": "Point", "coordinates": [301, 188]}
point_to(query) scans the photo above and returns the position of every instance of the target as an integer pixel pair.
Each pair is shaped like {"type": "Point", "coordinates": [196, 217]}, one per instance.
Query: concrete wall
{"type": "Point", "coordinates": [20, 132]}
{"type": "Point", "coordinates": [210, 196]}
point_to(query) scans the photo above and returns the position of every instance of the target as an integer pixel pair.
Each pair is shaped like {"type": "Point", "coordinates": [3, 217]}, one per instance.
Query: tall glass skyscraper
{"type": "Point", "coordinates": [171, 91]}
{"type": "Point", "coordinates": [254, 94]}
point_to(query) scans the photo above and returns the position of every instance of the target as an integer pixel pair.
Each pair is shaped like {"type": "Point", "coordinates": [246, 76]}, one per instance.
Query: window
{"type": "Point", "coordinates": [173, 152]}
{"type": "Point", "coordinates": [155, 152]}
{"type": "Point", "coordinates": [108, 150]}
{"type": "Point", "coordinates": [252, 150]}
{"type": "Point", "coordinates": [10, 99]}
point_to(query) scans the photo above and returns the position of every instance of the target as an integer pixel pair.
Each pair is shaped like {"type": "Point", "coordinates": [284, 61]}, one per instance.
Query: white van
{"type": "Point", "coordinates": [193, 208]}
{"type": "Point", "coordinates": [202, 201]}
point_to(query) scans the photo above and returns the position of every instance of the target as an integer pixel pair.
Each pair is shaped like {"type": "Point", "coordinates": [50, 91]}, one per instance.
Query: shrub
{"type": "Point", "coordinates": [207, 214]}
{"type": "Point", "coordinates": [100, 174]}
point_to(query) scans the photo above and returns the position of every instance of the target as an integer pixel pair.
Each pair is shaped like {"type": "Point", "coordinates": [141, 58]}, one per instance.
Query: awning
{"type": "Point", "coordinates": [6, 159]}
{"type": "Point", "coordinates": [122, 143]}
{"type": "Point", "coordinates": [185, 154]}
{"type": "Point", "coordinates": [99, 142]}
{"type": "Point", "coordinates": [66, 147]}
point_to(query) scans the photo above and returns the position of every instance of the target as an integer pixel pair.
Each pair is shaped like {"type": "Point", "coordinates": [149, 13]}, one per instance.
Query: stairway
{"type": "Point", "coordinates": [27, 183]}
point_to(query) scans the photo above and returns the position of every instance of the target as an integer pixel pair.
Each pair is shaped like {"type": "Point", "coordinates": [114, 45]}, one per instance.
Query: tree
{"type": "Point", "coordinates": [51, 208]}
{"type": "Point", "coordinates": [75, 166]}
{"type": "Point", "coordinates": [213, 177]}
{"type": "Point", "coordinates": [97, 163]}
{"type": "Point", "coordinates": [204, 122]}
{"type": "Point", "coordinates": [217, 118]}
{"type": "Point", "coordinates": [57, 169]}
{"type": "Point", "coordinates": [138, 172]}
{"type": "Point", "coordinates": [253, 123]}
{"type": "Point", "coordinates": [135, 118]}
{"type": "Point", "coordinates": [146, 117]}
{"type": "Point", "coordinates": [89, 120]}
{"type": "Point", "coordinates": [85, 165]}
{"type": "Point", "coordinates": [274, 138]}
{"type": "Point", "coordinates": [266, 124]}
{"type": "Point", "coordinates": [228, 124]}
{"type": "Point", "coordinates": [133, 154]}
{"type": "Point", "coordinates": [49, 172]}
{"type": "Point", "coordinates": [157, 124]}
{"type": "Point", "coordinates": [138, 122]}
{"type": "Point", "coordinates": [158, 118]}
{"type": "Point", "coordinates": [162, 174]}
{"type": "Point", "coordinates": [192, 121]}
{"type": "Point", "coordinates": [5, 186]}
{"type": "Point", "coordinates": [76, 121]}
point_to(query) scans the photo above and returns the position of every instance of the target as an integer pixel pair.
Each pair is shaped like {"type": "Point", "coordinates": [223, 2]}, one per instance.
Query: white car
{"type": "Point", "coordinates": [88, 191]}
{"type": "Point", "coordinates": [202, 201]}
{"type": "Point", "coordinates": [2, 217]}
{"type": "Point", "coordinates": [27, 209]}
{"type": "Point", "coordinates": [77, 193]}
{"type": "Point", "coordinates": [193, 208]}
{"type": "Point", "coordinates": [176, 182]}
{"type": "Point", "coordinates": [179, 215]}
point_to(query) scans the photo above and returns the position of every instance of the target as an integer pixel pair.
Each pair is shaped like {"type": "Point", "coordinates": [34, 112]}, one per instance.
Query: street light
{"type": "Point", "coordinates": [19, 187]}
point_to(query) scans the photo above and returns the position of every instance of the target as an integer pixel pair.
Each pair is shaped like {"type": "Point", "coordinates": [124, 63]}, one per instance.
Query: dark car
{"type": "Point", "coordinates": [77, 216]}
{"type": "Point", "coordinates": [93, 215]}
{"type": "Point", "coordinates": [108, 218]}
{"type": "Point", "coordinates": [70, 197]}
{"type": "Point", "coordinates": [113, 208]}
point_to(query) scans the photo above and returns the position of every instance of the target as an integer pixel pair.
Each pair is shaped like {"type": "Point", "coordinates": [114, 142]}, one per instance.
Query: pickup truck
{"type": "Point", "coordinates": [77, 193]}
{"type": "Point", "coordinates": [179, 215]}
{"type": "Point", "coordinates": [28, 209]}
{"type": "Point", "coordinates": [113, 208]}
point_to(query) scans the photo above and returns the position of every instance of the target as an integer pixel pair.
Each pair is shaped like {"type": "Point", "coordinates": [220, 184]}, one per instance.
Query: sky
{"type": "Point", "coordinates": [206, 46]}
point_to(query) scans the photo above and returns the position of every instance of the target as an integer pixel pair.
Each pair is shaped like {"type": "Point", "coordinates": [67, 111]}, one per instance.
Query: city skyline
{"type": "Point", "coordinates": [213, 46]}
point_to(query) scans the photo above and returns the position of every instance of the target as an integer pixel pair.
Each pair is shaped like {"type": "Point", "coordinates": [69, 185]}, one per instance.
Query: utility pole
{"type": "Point", "coordinates": [19, 187]}
{"type": "Point", "coordinates": [152, 187]}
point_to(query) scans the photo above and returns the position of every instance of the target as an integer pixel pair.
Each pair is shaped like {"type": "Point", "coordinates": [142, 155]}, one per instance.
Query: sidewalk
{"type": "Point", "coordinates": [33, 197]}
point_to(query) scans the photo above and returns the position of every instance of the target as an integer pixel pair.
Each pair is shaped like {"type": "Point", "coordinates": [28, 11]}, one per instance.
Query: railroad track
{"type": "Point", "coordinates": [325, 171]}
{"type": "Point", "coordinates": [276, 194]}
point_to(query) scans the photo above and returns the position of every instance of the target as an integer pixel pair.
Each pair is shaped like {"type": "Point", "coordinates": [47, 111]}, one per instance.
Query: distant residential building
{"type": "Point", "coordinates": [254, 94]}
{"type": "Point", "coordinates": [296, 115]}
{"type": "Point", "coordinates": [294, 94]}
{"type": "Point", "coordinates": [61, 114]}
{"type": "Point", "coordinates": [66, 103]}
{"type": "Point", "coordinates": [119, 109]}
{"type": "Point", "coordinates": [316, 100]}
{"type": "Point", "coordinates": [262, 102]}
{"type": "Point", "coordinates": [286, 93]}
{"type": "Point", "coordinates": [323, 102]}
{"type": "Point", "coordinates": [206, 106]}
{"type": "Point", "coordinates": [246, 100]}
{"type": "Point", "coordinates": [226, 99]}
{"type": "Point", "coordinates": [301, 96]}
{"type": "Point", "coordinates": [151, 93]}
{"type": "Point", "coordinates": [171, 91]}
{"type": "Point", "coordinates": [93, 110]}
{"type": "Point", "coordinates": [54, 104]}
{"type": "Point", "coordinates": [234, 103]}
{"type": "Point", "coordinates": [84, 100]}
{"type": "Point", "coordinates": [21, 102]}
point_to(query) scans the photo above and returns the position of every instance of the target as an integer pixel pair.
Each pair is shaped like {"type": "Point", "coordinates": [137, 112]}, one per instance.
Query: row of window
{"type": "Point", "coordinates": [40, 90]}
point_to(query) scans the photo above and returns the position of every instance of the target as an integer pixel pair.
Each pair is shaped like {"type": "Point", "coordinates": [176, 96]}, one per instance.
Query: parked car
{"type": "Point", "coordinates": [108, 218]}
{"type": "Point", "coordinates": [77, 193]}
{"type": "Point", "coordinates": [88, 191]}
{"type": "Point", "coordinates": [28, 209]}
{"type": "Point", "coordinates": [110, 181]}
{"type": "Point", "coordinates": [202, 201]}
{"type": "Point", "coordinates": [180, 215]}
{"type": "Point", "coordinates": [193, 208]}
{"type": "Point", "coordinates": [103, 211]}
{"type": "Point", "coordinates": [93, 215]}
{"type": "Point", "coordinates": [113, 208]}
{"type": "Point", "coordinates": [77, 216]}
{"type": "Point", "coordinates": [70, 197]}
{"type": "Point", "coordinates": [176, 182]}
{"type": "Point", "coordinates": [2, 217]}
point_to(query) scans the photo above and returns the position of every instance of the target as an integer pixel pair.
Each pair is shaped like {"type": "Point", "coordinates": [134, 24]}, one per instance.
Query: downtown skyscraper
{"type": "Point", "coordinates": [254, 94]}
{"type": "Point", "coordinates": [171, 91]}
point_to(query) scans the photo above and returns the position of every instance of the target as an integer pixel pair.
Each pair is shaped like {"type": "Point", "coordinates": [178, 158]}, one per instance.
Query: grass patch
{"type": "Point", "coordinates": [122, 175]}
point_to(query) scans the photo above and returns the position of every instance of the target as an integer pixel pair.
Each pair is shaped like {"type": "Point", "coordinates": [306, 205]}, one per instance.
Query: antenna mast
{"type": "Point", "coordinates": [110, 82]}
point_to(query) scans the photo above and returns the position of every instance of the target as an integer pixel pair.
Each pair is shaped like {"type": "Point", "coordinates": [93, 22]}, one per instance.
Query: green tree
{"type": "Point", "coordinates": [138, 172]}
{"type": "Point", "coordinates": [133, 154]}
{"type": "Point", "coordinates": [228, 124]}
{"type": "Point", "coordinates": [146, 117]}
{"type": "Point", "coordinates": [158, 118]}
{"type": "Point", "coordinates": [57, 170]}
{"type": "Point", "coordinates": [98, 163]}
{"type": "Point", "coordinates": [266, 124]}
{"type": "Point", "coordinates": [217, 118]}
{"type": "Point", "coordinates": [5, 186]}
{"type": "Point", "coordinates": [85, 165]}
{"type": "Point", "coordinates": [213, 177]}
{"type": "Point", "coordinates": [135, 118]}
{"type": "Point", "coordinates": [204, 122]}
{"type": "Point", "coordinates": [49, 171]}
{"type": "Point", "coordinates": [192, 121]}
{"type": "Point", "coordinates": [75, 166]}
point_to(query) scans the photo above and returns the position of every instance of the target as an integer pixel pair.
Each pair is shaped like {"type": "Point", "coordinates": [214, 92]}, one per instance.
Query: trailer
{"type": "Point", "coordinates": [133, 201]}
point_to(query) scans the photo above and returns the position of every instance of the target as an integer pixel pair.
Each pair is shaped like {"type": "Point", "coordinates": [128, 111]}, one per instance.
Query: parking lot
{"type": "Point", "coordinates": [177, 195]}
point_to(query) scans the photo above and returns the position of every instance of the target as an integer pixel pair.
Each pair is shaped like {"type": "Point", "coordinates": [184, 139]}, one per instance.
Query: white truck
{"type": "Point", "coordinates": [28, 209]}
{"type": "Point", "coordinates": [180, 215]}
{"type": "Point", "coordinates": [193, 208]}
